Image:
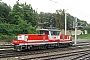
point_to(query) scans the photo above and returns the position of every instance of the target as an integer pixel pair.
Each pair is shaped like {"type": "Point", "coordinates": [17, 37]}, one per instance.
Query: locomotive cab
{"type": "Point", "coordinates": [53, 34]}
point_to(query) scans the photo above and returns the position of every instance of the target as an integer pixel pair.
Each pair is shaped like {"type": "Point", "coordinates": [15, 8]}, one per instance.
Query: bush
{"type": "Point", "coordinates": [9, 30]}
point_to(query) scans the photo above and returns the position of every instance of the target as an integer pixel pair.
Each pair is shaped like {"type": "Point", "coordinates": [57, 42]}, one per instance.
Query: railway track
{"type": "Point", "coordinates": [38, 54]}
{"type": "Point", "coordinates": [6, 46]}
{"type": "Point", "coordinates": [71, 56]}
{"type": "Point", "coordinates": [84, 55]}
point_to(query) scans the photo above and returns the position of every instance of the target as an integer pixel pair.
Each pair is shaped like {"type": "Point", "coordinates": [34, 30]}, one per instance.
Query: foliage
{"type": "Point", "coordinates": [87, 28]}
{"type": "Point", "coordinates": [84, 36]}
{"type": "Point", "coordinates": [10, 29]}
{"type": "Point", "coordinates": [4, 11]}
{"type": "Point", "coordinates": [60, 18]}
{"type": "Point", "coordinates": [48, 18]}
{"type": "Point", "coordinates": [22, 12]}
{"type": "Point", "coordinates": [57, 20]}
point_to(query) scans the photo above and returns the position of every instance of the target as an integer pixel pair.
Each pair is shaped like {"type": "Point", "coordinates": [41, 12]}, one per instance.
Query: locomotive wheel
{"type": "Point", "coordinates": [18, 48]}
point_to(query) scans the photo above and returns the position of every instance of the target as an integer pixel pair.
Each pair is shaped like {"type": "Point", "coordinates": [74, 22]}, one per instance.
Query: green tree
{"type": "Point", "coordinates": [24, 12]}
{"type": "Point", "coordinates": [60, 14]}
{"type": "Point", "coordinates": [70, 20]}
{"type": "Point", "coordinates": [4, 11]}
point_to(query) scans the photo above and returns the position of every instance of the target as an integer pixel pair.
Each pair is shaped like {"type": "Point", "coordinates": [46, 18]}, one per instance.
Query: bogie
{"type": "Point", "coordinates": [18, 48]}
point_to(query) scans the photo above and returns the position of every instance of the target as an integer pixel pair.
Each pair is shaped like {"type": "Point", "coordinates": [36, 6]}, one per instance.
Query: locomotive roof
{"type": "Point", "coordinates": [49, 29]}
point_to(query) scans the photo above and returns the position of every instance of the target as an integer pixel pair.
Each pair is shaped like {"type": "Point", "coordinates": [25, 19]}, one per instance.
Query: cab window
{"type": "Point", "coordinates": [55, 32]}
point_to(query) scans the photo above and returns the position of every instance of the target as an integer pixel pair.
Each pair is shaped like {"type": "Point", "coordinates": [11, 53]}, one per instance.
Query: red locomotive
{"type": "Point", "coordinates": [46, 37]}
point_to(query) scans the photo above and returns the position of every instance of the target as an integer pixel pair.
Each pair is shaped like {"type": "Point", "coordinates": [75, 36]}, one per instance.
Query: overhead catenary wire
{"type": "Point", "coordinates": [78, 13]}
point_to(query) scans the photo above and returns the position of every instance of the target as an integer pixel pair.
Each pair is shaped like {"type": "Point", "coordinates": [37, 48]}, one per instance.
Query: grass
{"type": "Point", "coordinates": [84, 36]}
{"type": "Point", "coordinates": [6, 38]}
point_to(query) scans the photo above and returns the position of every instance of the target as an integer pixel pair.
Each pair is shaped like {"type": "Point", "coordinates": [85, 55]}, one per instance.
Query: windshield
{"type": "Point", "coordinates": [55, 32]}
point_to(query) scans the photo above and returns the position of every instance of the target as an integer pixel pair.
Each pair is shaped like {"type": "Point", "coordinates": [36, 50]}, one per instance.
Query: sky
{"type": "Point", "coordinates": [77, 8]}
